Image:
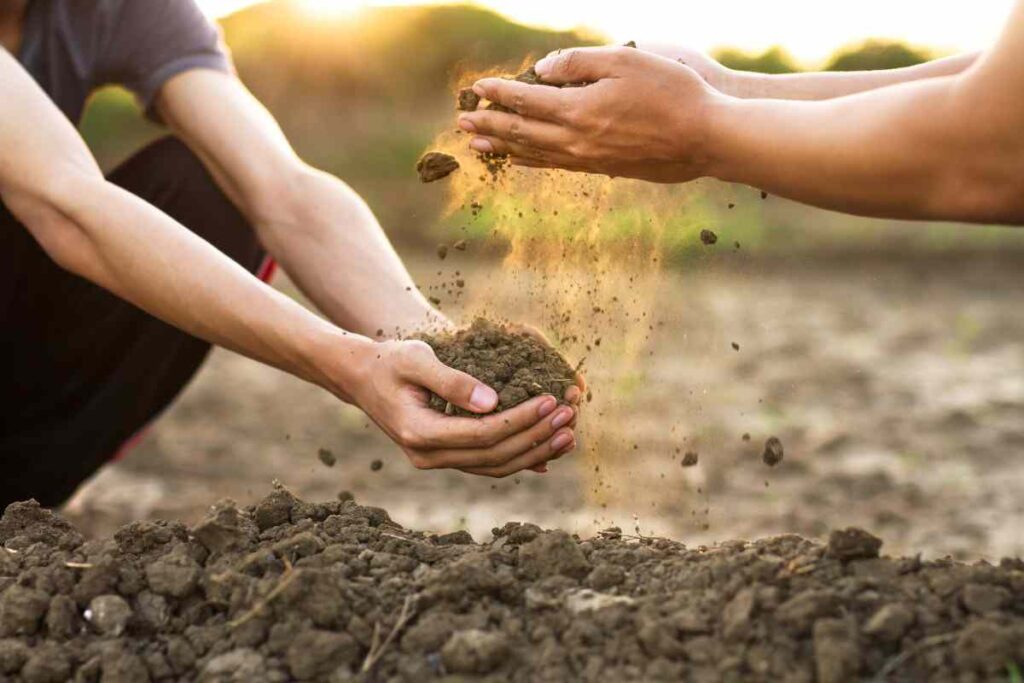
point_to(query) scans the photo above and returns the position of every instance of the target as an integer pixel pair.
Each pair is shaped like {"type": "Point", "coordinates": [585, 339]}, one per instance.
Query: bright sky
{"type": "Point", "coordinates": [810, 29]}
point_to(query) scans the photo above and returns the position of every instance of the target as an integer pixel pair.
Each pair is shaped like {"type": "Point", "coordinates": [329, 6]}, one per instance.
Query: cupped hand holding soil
{"type": "Point", "coordinates": [516, 361]}
{"type": "Point", "coordinates": [396, 379]}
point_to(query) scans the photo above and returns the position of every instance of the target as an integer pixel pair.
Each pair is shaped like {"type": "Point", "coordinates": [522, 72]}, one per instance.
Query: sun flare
{"type": "Point", "coordinates": [330, 9]}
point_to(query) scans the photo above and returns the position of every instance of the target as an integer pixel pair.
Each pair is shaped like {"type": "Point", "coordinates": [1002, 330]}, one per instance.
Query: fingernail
{"type": "Point", "coordinates": [541, 469]}
{"type": "Point", "coordinates": [483, 398]}
{"type": "Point", "coordinates": [481, 145]}
{"type": "Point", "coordinates": [547, 407]}
{"type": "Point", "coordinates": [543, 66]}
{"type": "Point", "coordinates": [480, 89]}
{"type": "Point", "coordinates": [466, 125]}
{"type": "Point", "coordinates": [560, 442]}
{"type": "Point", "coordinates": [563, 418]}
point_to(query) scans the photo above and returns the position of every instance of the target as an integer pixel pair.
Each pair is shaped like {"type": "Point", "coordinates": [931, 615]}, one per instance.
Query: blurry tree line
{"type": "Point", "coordinates": [870, 55]}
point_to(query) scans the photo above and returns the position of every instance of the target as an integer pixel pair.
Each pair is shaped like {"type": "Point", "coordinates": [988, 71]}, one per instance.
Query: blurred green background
{"type": "Point", "coordinates": [364, 96]}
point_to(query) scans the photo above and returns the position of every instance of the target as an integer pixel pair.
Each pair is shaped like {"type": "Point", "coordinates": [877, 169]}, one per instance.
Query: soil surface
{"type": "Point", "coordinates": [513, 363]}
{"type": "Point", "coordinates": [288, 590]}
{"type": "Point", "coordinates": [435, 166]}
{"type": "Point", "coordinates": [896, 387]}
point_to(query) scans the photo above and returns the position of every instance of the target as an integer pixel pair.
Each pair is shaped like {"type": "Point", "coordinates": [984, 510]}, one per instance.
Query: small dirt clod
{"type": "Point", "coordinates": [708, 237]}
{"type": "Point", "coordinates": [773, 452]}
{"type": "Point", "coordinates": [326, 457]}
{"type": "Point", "coordinates": [690, 458]}
{"type": "Point", "coordinates": [436, 165]}
{"type": "Point", "coordinates": [467, 100]}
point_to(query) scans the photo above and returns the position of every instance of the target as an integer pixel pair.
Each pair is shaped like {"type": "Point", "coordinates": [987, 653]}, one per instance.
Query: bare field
{"type": "Point", "coordinates": [897, 388]}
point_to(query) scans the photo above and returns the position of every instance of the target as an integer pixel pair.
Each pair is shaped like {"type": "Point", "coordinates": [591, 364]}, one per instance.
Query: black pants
{"type": "Point", "coordinates": [82, 371]}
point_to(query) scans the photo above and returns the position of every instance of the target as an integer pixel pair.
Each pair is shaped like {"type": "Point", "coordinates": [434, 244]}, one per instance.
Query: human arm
{"type": "Point", "coordinates": [102, 233]}
{"type": "Point", "coordinates": [814, 85]}
{"type": "Point", "coordinates": [944, 148]}
{"type": "Point", "coordinates": [315, 225]}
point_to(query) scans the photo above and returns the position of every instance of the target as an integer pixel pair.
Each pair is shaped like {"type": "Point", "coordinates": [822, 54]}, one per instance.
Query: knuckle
{"type": "Point", "coordinates": [410, 437]}
{"type": "Point", "coordinates": [515, 131]}
{"type": "Point", "coordinates": [519, 102]}
{"type": "Point", "coordinates": [414, 354]}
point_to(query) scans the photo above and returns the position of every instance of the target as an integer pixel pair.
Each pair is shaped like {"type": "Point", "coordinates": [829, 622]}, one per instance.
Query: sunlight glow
{"type": "Point", "coordinates": [809, 30]}
{"type": "Point", "coordinates": [330, 9]}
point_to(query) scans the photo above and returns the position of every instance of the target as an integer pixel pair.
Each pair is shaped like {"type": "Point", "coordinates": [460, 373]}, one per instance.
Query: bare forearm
{"type": "Point", "coordinates": [829, 84]}
{"type": "Point", "coordinates": [123, 244]}
{"type": "Point", "coordinates": [333, 247]}
{"type": "Point", "coordinates": [916, 150]}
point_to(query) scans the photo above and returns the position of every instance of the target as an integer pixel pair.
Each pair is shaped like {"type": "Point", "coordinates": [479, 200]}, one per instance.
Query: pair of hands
{"type": "Point", "coordinates": [642, 115]}
{"type": "Point", "coordinates": [393, 386]}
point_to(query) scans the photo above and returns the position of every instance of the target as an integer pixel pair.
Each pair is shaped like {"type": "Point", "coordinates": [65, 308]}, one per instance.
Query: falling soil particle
{"type": "Point", "coordinates": [773, 452]}
{"type": "Point", "coordinates": [764, 195]}
{"type": "Point", "coordinates": [376, 466]}
{"type": "Point", "coordinates": [708, 237]}
{"type": "Point", "coordinates": [442, 251]}
{"type": "Point", "coordinates": [690, 459]}
{"type": "Point", "coordinates": [289, 590]}
{"type": "Point", "coordinates": [460, 245]}
{"type": "Point", "coordinates": [436, 165]}
{"type": "Point", "coordinates": [746, 437]}
{"type": "Point", "coordinates": [468, 100]}
{"type": "Point", "coordinates": [513, 363]}
{"type": "Point", "coordinates": [326, 457]}
{"type": "Point", "coordinates": [735, 346]}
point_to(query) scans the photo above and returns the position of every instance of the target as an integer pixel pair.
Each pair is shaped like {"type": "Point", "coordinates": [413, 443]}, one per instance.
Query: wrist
{"type": "Point", "coordinates": [742, 84]}
{"type": "Point", "coordinates": [719, 117]}
{"type": "Point", "coordinates": [337, 359]}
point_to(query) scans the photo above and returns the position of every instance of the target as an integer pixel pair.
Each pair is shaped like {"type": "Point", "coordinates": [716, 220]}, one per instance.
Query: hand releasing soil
{"type": "Point", "coordinates": [288, 590]}
{"type": "Point", "coordinates": [436, 165]}
{"type": "Point", "coordinates": [530, 77]}
{"type": "Point", "coordinates": [513, 363]}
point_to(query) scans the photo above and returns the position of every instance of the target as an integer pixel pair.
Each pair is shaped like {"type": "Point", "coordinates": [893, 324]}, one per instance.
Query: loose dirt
{"type": "Point", "coordinates": [435, 166]}
{"type": "Point", "coordinates": [773, 451]}
{"type": "Point", "coordinates": [288, 590]}
{"type": "Point", "coordinates": [515, 364]}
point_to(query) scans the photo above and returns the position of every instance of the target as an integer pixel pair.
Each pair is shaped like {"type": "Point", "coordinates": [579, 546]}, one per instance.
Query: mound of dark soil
{"type": "Point", "coordinates": [513, 363]}
{"type": "Point", "coordinates": [288, 590]}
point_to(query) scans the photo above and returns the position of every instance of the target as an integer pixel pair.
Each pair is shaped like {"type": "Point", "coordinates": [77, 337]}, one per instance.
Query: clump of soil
{"type": "Point", "coordinates": [513, 363]}
{"type": "Point", "coordinates": [467, 100]}
{"type": "Point", "coordinates": [690, 459]}
{"type": "Point", "coordinates": [773, 451]}
{"type": "Point", "coordinates": [327, 457]}
{"type": "Point", "coordinates": [435, 166]}
{"type": "Point", "coordinates": [288, 590]}
{"type": "Point", "coordinates": [708, 237]}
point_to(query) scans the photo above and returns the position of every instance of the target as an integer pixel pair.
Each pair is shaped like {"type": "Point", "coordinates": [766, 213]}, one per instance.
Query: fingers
{"type": "Point", "coordinates": [433, 431]}
{"type": "Point", "coordinates": [563, 442]}
{"type": "Point", "coordinates": [549, 433]}
{"type": "Point", "coordinates": [580, 64]}
{"type": "Point", "coordinates": [514, 128]}
{"type": "Point", "coordinates": [463, 390]}
{"type": "Point", "coordinates": [532, 101]}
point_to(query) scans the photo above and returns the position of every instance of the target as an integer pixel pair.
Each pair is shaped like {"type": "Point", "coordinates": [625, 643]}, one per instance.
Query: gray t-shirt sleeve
{"type": "Point", "coordinates": [147, 42]}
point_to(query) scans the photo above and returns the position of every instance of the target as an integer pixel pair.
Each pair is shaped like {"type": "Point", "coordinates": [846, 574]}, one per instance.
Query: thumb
{"type": "Point", "coordinates": [577, 65]}
{"type": "Point", "coordinates": [457, 387]}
